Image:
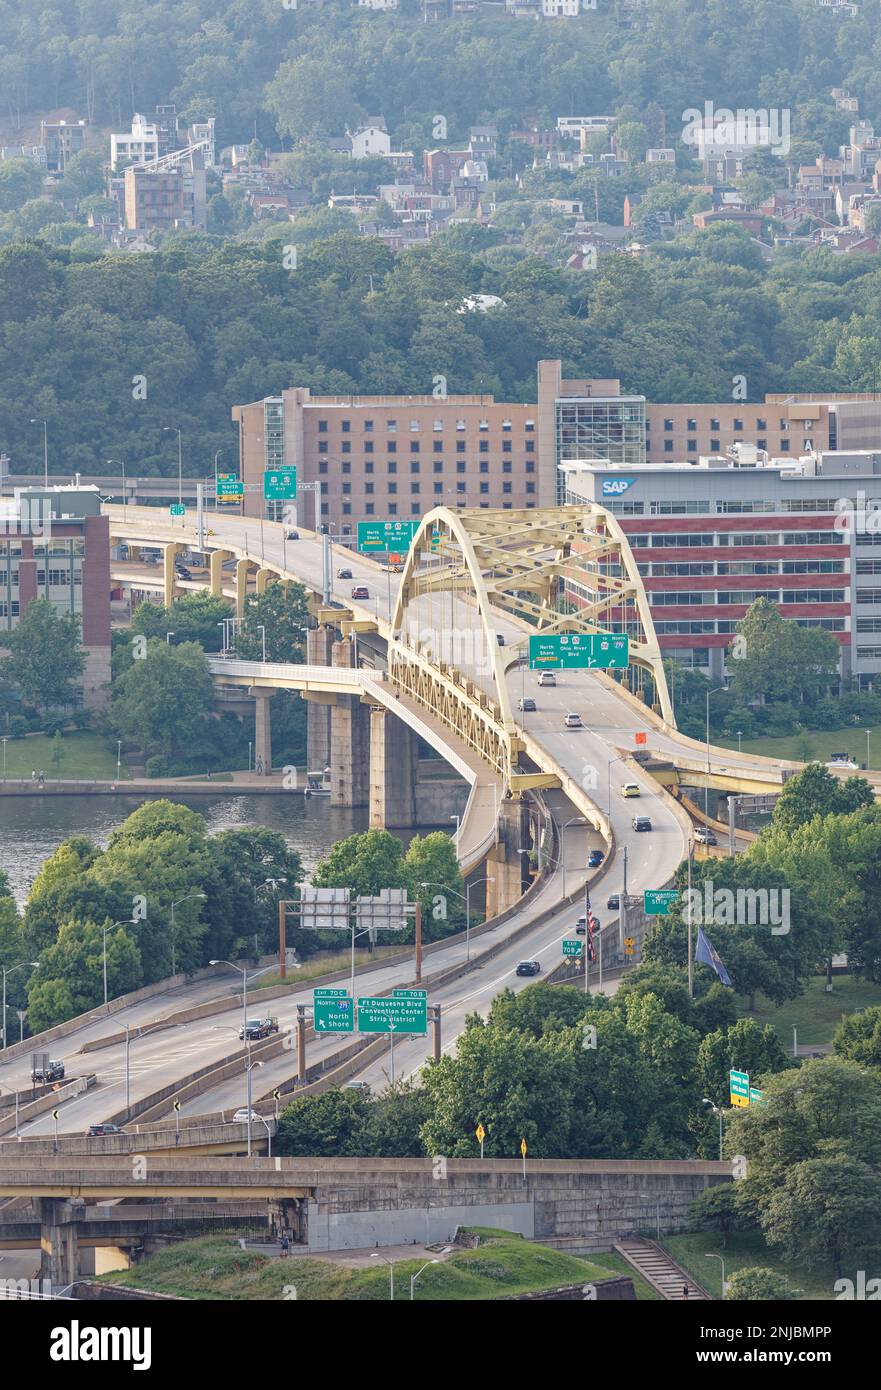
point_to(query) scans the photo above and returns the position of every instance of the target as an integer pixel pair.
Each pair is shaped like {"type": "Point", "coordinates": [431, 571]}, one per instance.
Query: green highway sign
{"type": "Point", "coordinates": [397, 1013]}
{"type": "Point", "coordinates": [333, 1011]}
{"type": "Point", "coordinates": [409, 993]}
{"type": "Point", "coordinates": [656, 902]}
{"type": "Point", "coordinates": [229, 487]}
{"type": "Point", "coordinates": [569, 651]}
{"type": "Point", "coordinates": [178, 509]}
{"type": "Point", "coordinates": [280, 484]}
{"type": "Point", "coordinates": [756, 1097]}
{"type": "Point", "coordinates": [571, 948]}
{"type": "Point", "coordinates": [386, 535]}
{"type": "Point", "coordinates": [738, 1088]}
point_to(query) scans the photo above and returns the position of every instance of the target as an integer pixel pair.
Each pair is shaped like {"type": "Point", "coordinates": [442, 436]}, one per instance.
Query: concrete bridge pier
{"type": "Point", "coordinates": [349, 739]}
{"type": "Point", "coordinates": [506, 867]}
{"type": "Point", "coordinates": [216, 561]}
{"type": "Point", "coordinates": [394, 765]}
{"type": "Point", "coordinates": [58, 1240]}
{"type": "Point", "coordinates": [319, 645]}
{"type": "Point", "coordinates": [263, 730]}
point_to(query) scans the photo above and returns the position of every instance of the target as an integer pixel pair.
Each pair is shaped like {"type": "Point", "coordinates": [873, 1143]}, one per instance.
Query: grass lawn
{"type": "Point", "coordinates": [86, 756]}
{"type": "Point", "coordinates": [813, 746]}
{"type": "Point", "coordinates": [815, 1013]}
{"type": "Point", "coordinates": [216, 1268]}
{"type": "Point", "coordinates": [744, 1249]}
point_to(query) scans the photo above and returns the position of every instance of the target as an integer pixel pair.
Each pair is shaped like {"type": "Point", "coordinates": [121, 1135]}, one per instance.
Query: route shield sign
{"type": "Point", "coordinates": [584, 651]}
{"type": "Point", "coordinates": [333, 1011]}
{"type": "Point", "coordinates": [738, 1086]}
{"type": "Point", "coordinates": [229, 487]}
{"type": "Point", "coordinates": [397, 1013]}
{"type": "Point", "coordinates": [656, 902]}
{"type": "Point", "coordinates": [280, 484]}
{"type": "Point", "coordinates": [178, 509]}
{"type": "Point", "coordinates": [386, 535]}
{"type": "Point", "coordinates": [571, 948]}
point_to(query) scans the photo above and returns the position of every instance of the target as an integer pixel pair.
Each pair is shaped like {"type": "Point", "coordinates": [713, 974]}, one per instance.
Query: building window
{"type": "Point", "coordinates": [484, 424]}
{"type": "Point", "coordinates": [668, 425]}
{"type": "Point", "coordinates": [322, 427]}
{"type": "Point", "coordinates": [738, 425]}
{"type": "Point", "coordinates": [484, 487]}
{"type": "Point", "coordinates": [368, 426]}
{"type": "Point", "coordinates": [692, 446]}
{"type": "Point", "coordinates": [438, 425]}
{"type": "Point", "coordinates": [322, 446]}
{"type": "Point", "coordinates": [368, 467]}
{"type": "Point", "coordinates": [460, 487]}
{"type": "Point", "coordinates": [393, 509]}
{"type": "Point", "coordinates": [506, 446]}
{"type": "Point", "coordinates": [530, 466]}
{"type": "Point", "coordinates": [460, 425]}
{"type": "Point", "coordinates": [391, 426]}
{"type": "Point", "coordinates": [714, 424]}
{"type": "Point", "coordinates": [460, 446]}
{"type": "Point", "coordinates": [415, 509]}
{"type": "Point", "coordinates": [414, 426]}
{"type": "Point", "coordinates": [368, 508]}
{"type": "Point", "coordinates": [346, 426]}
{"type": "Point", "coordinates": [761, 425]}
{"type": "Point", "coordinates": [784, 446]}
{"type": "Point", "coordinates": [484, 446]}
{"type": "Point", "coordinates": [347, 487]}
{"type": "Point", "coordinates": [530, 446]}
{"type": "Point", "coordinates": [391, 466]}
{"type": "Point", "coordinates": [438, 446]}
{"type": "Point", "coordinates": [506, 487]}
{"type": "Point", "coordinates": [368, 446]}
{"type": "Point", "coordinates": [530, 487]}
{"type": "Point", "coordinates": [506, 424]}
{"type": "Point", "coordinates": [391, 446]}
{"type": "Point", "coordinates": [691, 425]}
{"type": "Point", "coordinates": [322, 465]}
{"type": "Point", "coordinates": [346, 447]}
{"type": "Point", "coordinates": [414, 465]}
{"type": "Point", "coordinates": [438, 488]}
{"type": "Point", "coordinates": [347, 509]}
{"type": "Point", "coordinates": [368, 488]}
{"type": "Point", "coordinates": [483, 467]}
{"type": "Point", "coordinates": [392, 487]}
{"type": "Point", "coordinates": [668, 446]}
{"type": "Point", "coordinates": [715, 445]}
{"type": "Point", "coordinates": [530, 425]}
{"type": "Point", "coordinates": [415, 489]}
{"type": "Point", "coordinates": [346, 465]}
{"type": "Point", "coordinates": [507, 466]}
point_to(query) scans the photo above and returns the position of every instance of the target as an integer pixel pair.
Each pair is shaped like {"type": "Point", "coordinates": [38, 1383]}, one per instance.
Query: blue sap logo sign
{"type": "Point", "coordinates": [612, 487]}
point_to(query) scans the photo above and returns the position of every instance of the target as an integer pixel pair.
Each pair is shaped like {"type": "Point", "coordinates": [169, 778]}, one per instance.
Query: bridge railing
{"type": "Point", "coordinates": [290, 670]}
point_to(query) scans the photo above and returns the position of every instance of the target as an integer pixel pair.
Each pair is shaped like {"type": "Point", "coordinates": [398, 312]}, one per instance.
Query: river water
{"type": "Point", "coordinates": [32, 827]}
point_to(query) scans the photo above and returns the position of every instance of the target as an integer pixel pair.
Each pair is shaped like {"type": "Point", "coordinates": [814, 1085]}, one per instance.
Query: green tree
{"type": "Point", "coordinates": [718, 1209]}
{"type": "Point", "coordinates": [775, 659]}
{"type": "Point", "coordinates": [818, 792]}
{"type": "Point", "coordinates": [745, 1046]}
{"type": "Point", "coordinates": [45, 658]}
{"type": "Point", "coordinates": [434, 880]}
{"type": "Point", "coordinates": [159, 701]}
{"type": "Point", "coordinates": [329, 1125]}
{"type": "Point", "coordinates": [858, 1037]}
{"type": "Point", "coordinates": [255, 871]}
{"type": "Point", "coordinates": [20, 180]}
{"type": "Point", "coordinates": [754, 1284]}
{"type": "Point", "coordinates": [69, 980]}
{"type": "Point", "coordinates": [827, 1210]}
{"type": "Point", "coordinates": [191, 618]}
{"type": "Point", "coordinates": [282, 610]}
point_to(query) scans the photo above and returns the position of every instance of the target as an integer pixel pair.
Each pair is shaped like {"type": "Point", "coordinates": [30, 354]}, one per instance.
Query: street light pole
{"type": "Point", "coordinates": [714, 691]}
{"type": "Point", "coordinates": [10, 970]}
{"type": "Point", "coordinates": [177, 903]}
{"type": "Point", "coordinates": [121, 463]}
{"type": "Point", "coordinates": [244, 975]}
{"type": "Point", "coordinates": [261, 628]}
{"type": "Point", "coordinates": [391, 1274]}
{"type": "Point", "coordinates": [127, 1027]}
{"type": "Point", "coordinates": [414, 1277]}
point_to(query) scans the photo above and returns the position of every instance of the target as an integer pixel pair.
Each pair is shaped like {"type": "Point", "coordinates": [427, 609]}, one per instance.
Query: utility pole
{"type": "Point", "coordinates": [282, 944]}
{"type": "Point", "coordinates": [301, 1043]}
{"type": "Point", "coordinates": [418, 918]}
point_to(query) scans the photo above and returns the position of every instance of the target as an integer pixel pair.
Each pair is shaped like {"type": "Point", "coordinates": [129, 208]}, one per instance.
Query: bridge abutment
{"type": "Point", "coordinates": [394, 764]}
{"type": "Point", "coordinates": [349, 739]}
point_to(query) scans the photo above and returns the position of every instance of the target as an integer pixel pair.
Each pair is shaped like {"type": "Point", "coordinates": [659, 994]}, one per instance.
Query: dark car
{"type": "Point", "coordinates": [500, 639]}
{"type": "Point", "coordinates": [292, 535]}
{"type": "Point", "coordinates": [43, 1076]}
{"type": "Point", "coordinates": [344, 574]}
{"type": "Point", "coordinates": [96, 1131]}
{"type": "Point", "coordinates": [527, 705]}
{"type": "Point", "coordinates": [595, 858]}
{"type": "Point", "coordinates": [613, 902]}
{"type": "Point", "coordinates": [529, 967]}
{"type": "Point", "coordinates": [182, 572]}
{"type": "Point", "coordinates": [641, 823]}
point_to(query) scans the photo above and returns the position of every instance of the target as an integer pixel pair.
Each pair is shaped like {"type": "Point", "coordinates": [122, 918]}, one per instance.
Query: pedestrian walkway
{"type": "Point", "coordinates": [659, 1269]}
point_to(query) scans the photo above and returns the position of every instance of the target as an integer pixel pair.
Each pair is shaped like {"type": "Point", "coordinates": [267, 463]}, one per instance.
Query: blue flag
{"type": "Point", "coordinates": [707, 954]}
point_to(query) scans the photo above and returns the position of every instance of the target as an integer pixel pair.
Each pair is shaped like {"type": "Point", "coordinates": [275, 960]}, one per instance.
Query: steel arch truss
{"type": "Point", "coordinates": [561, 569]}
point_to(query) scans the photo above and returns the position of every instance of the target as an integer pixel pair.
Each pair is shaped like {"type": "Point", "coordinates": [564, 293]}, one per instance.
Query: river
{"type": "Point", "coordinates": [32, 827]}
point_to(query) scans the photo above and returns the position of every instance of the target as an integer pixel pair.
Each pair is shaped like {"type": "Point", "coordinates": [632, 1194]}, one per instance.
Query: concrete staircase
{"type": "Point", "coordinates": [659, 1269]}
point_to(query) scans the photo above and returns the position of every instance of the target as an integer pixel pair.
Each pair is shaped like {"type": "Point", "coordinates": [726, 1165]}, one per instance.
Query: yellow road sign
{"type": "Point", "coordinates": [523, 1147]}
{"type": "Point", "coordinates": [480, 1132]}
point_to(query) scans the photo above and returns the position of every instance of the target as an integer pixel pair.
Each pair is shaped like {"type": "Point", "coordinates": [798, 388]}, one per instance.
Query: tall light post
{"type": "Point", "coordinates": [414, 1277]}
{"type": "Point", "coordinates": [118, 757]}
{"type": "Point", "coordinates": [458, 820]}
{"type": "Point", "coordinates": [868, 750]}
{"type": "Point", "coordinates": [261, 628]}
{"type": "Point", "coordinates": [173, 429]}
{"type": "Point", "coordinates": [10, 970]}
{"type": "Point", "coordinates": [249, 1068]}
{"type": "Point", "coordinates": [466, 899]}
{"type": "Point", "coordinates": [177, 903]}
{"type": "Point", "coordinates": [576, 820]}
{"type": "Point", "coordinates": [127, 1027]}
{"type": "Point", "coordinates": [619, 759]}
{"type": "Point", "coordinates": [168, 637]}
{"type": "Point", "coordinates": [717, 1110]}
{"type": "Point", "coordinates": [714, 691]}
{"type": "Point", "coordinates": [391, 1273]}
{"type": "Point", "coordinates": [5, 741]}
{"type": "Point", "coordinates": [739, 737]}
{"type": "Point", "coordinates": [244, 974]}
{"type": "Point", "coordinates": [217, 453]}
{"type": "Point", "coordinates": [45, 424]}
{"type": "Point", "coordinates": [104, 930]}
{"type": "Point", "coordinates": [121, 464]}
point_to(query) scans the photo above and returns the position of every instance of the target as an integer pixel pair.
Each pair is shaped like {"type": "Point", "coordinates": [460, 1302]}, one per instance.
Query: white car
{"type": "Point", "coordinates": [241, 1117]}
{"type": "Point", "coordinates": [573, 721]}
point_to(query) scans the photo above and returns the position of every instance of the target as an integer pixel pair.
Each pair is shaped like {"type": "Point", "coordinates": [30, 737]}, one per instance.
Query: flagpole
{"type": "Point", "coordinates": [690, 957]}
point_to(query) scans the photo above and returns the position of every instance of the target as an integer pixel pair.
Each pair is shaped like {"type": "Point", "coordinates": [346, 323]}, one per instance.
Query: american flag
{"type": "Point", "coordinates": [591, 928]}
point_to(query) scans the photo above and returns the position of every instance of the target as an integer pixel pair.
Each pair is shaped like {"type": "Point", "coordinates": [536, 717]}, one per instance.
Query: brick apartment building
{"type": "Point", "coordinates": [55, 544]}
{"type": "Point", "coordinates": [712, 537]}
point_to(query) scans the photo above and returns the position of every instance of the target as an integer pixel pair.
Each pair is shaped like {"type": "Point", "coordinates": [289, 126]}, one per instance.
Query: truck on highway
{"type": "Point", "coordinates": [255, 1028]}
